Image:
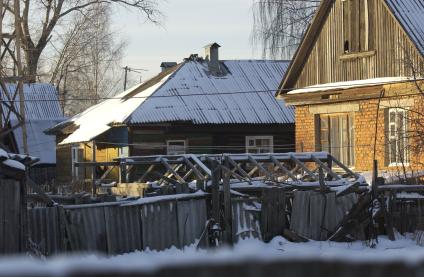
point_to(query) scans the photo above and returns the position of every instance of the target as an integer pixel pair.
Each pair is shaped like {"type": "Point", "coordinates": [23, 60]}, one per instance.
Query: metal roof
{"type": "Point", "coordinates": [41, 101]}
{"type": "Point", "coordinates": [410, 14]}
{"type": "Point", "coordinates": [243, 94]}
{"type": "Point", "coordinates": [42, 111]}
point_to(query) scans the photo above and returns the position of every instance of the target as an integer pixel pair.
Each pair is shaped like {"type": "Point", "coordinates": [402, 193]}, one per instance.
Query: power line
{"type": "Point", "coordinates": [153, 96]}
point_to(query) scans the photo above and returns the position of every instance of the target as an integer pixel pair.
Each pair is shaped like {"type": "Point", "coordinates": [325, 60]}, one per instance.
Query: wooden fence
{"type": "Point", "coordinates": [12, 228]}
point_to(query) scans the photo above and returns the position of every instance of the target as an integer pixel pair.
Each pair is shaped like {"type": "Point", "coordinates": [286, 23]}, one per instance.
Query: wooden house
{"type": "Point", "coordinates": [356, 83]}
{"type": "Point", "coordinates": [202, 105]}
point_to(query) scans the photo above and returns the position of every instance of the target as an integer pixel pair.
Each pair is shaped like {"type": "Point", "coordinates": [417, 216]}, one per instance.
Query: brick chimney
{"type": "Point", "coordinates": [212, 57]}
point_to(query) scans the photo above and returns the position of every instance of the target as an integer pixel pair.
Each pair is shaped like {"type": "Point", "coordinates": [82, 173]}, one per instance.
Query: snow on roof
{"type": "Point", "coordinates": [15, 161]}
{"type": "Point", "coordinates": [410, 14]}
{"type": "Point", "coordinates": [244, 94]}
{"type": "Point", "coordinates": [351, 84]}
{"type": "Point", "coordinates": [98, 119]}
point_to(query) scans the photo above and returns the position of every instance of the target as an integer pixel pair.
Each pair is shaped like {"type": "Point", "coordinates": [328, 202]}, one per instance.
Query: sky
{"type": "Point", "coordinates": [187, 26]}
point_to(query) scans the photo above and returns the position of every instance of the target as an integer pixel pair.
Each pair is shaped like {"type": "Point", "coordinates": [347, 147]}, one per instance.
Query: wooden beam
{"type": "Point", "coordinates": [150, 169]}
{"type": "Point", "coordinates": [238, 167]}
{"type": "Point", "coordinates": [260, 167]}
{"type": "Point", "coordinates": [192, 167]}
{"type": "Point", "coordinates": [326, 168]}
{"type": "Point", "coordinates": [170, 169]}
{"type": "Point", "coordinates": [302, 165]}
{"type": "Point", "coordinates": [283, 168]}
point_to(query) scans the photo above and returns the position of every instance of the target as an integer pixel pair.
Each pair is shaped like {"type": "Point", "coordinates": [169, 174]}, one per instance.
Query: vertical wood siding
{"type": "Point", "coordinates": [393, 49]}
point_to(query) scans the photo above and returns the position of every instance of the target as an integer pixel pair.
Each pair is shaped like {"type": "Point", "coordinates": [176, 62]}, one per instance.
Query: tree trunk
{"type": "Point", "coordinates": [32, 56]}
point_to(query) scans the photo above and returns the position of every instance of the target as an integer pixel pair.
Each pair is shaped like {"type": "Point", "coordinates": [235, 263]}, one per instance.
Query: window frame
{"type": "Point", "coordinates": [252, 137]}
{"type": "Point", "coordinates": [396, 137]}
{"type": "Point", "coordinates": [168, 142]}
{"type": "Point", "coordinates": [75, 171]}
{"type": "Point", "coordinates": [355, 39]}
{"type": "Point", "coordinates": [349, 120]}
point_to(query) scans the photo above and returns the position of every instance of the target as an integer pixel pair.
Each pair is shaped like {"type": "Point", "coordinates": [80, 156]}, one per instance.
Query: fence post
{"type": "Point", "coordinates": [216, 177]}
{"type": "Point", "coordinates": [228, 219]}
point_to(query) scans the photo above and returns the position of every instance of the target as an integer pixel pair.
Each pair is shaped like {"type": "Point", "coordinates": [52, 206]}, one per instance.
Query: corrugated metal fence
{"type": "Point", "coordinates": [116, 228]}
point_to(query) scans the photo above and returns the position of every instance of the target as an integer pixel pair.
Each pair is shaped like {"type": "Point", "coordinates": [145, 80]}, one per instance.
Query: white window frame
{"type": "Point", "coordinates": [174, 152]}
{"type": "Point", "coordinates": [393, 125]}
{"type": "Point", "coordinates": [250, 147]}
{"type": "Point", "coordinates": [74, 158]}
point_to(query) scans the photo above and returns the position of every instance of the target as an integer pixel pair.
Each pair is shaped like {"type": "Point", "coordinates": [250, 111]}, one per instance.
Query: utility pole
{"type": "Point", "coordinates": [10, 51]}
{"type": "Point", "coordinates": [129, 69]}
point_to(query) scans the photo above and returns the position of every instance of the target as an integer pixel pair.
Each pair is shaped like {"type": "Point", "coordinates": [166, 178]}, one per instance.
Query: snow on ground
{"type": "Point", "coordinates": [404, 249]}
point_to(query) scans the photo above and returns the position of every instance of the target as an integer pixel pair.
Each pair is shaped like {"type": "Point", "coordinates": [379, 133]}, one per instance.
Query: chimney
{"type": "Point", "coordinates": [212, 57]}
{"type": "Point", "coordinates": [166, 65]}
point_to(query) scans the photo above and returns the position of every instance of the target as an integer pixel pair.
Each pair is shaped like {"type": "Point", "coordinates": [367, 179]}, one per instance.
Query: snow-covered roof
{"type": "Point", "coordinates": [42, 111]}
{"type": "Point", "coordinates": [242, 94]}
{"type": "Point", "coordinates": [98, 119]}
{"type": "Point", "coordinates": [410, 14]}
{"type": "Point", "coordinates": [351, 84]}
{"type": "Point", "coordinates": [14, 162]}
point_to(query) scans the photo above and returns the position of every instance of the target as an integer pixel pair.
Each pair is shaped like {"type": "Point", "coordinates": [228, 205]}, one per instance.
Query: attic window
{"type": "Point", "coordinates": [356, 25]}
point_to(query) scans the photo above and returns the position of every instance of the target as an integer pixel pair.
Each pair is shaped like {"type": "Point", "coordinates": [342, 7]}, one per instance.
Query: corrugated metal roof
{"type": "Point", "coordinates": [42, 111]}
{"type": "Point", "coordinates": [41, 101]}
{"type": "Point", "coordinates": [410, 14]}
{"type": "Point", "coordinates": [243, 95]}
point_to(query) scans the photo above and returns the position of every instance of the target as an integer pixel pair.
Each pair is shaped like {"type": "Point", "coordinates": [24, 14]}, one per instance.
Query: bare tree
{"type": "Point", "coordinates": [40, 18]}
{"type": "Point", "coordinates": [279, 25]}
{"type": "Point", "coordinates": [86, 59]}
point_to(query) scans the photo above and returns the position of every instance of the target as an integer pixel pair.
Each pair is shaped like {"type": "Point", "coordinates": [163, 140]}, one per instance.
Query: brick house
{"type": "Point", "coordinates": [355, 82]}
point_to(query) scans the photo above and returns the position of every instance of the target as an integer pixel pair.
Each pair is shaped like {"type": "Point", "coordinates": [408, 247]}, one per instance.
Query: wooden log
{"type": "Point", "coordinates": [228, 219]}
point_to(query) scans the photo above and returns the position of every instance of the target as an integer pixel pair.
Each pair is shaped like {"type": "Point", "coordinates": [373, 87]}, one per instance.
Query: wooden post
{"type": "Point", "coordinates": [374, 179]}
{"type": "Point", "coordinates": [216, 177]}
{"type": "Point", "coordinates": [93, 169]}
{"type": "Point", "coordinates": [228, 218]}
{"type": "Point", "coordinates": [321, 178]}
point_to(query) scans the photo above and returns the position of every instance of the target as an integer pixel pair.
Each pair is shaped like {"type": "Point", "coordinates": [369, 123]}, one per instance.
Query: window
{"type": "Point", "coordinates": [123, 152]}
{"type": "Point", "coordinates": [356, 25]}
{"type": "Point", "coordinates": [397, 141]}
{"type": "Point", "coordinates": [176, 147]}
{"type": "Point", "coordinates": [76, 155]}
{"type": "Point", "coordinates": [259, 144]}
{"type": "Point", "coordinates": [336, 136]}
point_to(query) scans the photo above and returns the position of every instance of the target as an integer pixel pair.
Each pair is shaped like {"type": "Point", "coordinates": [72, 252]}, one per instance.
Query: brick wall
{"type": "Point", "coordinates": [364, 121]}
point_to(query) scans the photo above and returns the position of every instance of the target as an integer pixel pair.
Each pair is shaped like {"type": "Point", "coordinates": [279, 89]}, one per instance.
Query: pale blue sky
{"type": "Point", "coordinates": [188, 26]}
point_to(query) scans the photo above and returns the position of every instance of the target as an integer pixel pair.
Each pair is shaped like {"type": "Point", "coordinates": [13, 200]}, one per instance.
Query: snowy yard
{"type": "Point", "coordinates": [404, 250]}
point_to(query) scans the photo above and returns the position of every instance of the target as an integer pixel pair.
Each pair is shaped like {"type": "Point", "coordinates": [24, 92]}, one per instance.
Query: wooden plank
{"type": "Point", "coordinates": [238, 167]}
{"type": "Point", "coordinates": [193, 168]}
{"type": "Point", "coordinates": [302, 165]}
{"type": "Point", "coordinates": [227, 207]}
{"type": "Point", "coordinates": [259, 166]}
{"type": "Point", "coordinates": [170, 169]}
{"type": "Point", "coordinates": [273, 213]}
{"type": "Point", "coordinates": [283, 168]}
{"type": "Point", "coordinates": [326, 168]}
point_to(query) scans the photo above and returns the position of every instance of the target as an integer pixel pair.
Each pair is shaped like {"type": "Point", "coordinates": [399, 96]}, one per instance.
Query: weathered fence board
{"type": "Point", "coordinates": [11, 240]}
{"type": "Point", "coordinates": [191, 220]}
{"type": "Point", "coordinates": [44, 230]}
{"type": "Point", "coordinates": [246, 219]}
{"type": "Point", "coordinates": [315, 215]}
{"type": "Point", "coordinates": [273, 213]}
